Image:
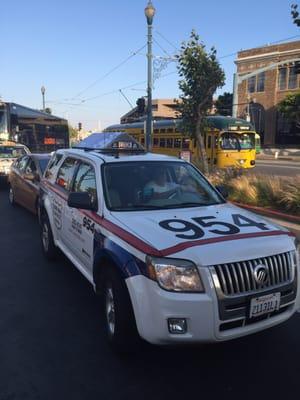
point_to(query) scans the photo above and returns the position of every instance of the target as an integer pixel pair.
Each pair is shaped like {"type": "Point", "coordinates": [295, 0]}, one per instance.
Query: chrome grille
{"type": "Point", "coordinates": [238, 278]}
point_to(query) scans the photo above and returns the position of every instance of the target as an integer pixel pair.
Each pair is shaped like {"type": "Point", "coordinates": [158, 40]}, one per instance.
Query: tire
{"type": "Point", "coordinates": [49, 249]}
{"type": "Point", "coordinates": [11, 197]}
{"type": "Point", "coordinates": [119, 317]}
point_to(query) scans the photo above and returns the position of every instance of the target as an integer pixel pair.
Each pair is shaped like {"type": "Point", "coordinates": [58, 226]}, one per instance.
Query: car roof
{"type": "Point", "coordinates": [117, 156]}
{"type": "Point", "coordinates": [40, 156]}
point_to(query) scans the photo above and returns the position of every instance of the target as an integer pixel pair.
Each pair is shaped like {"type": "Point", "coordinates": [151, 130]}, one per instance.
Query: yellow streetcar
{"type": "Point", "coordinates": [229, 142]}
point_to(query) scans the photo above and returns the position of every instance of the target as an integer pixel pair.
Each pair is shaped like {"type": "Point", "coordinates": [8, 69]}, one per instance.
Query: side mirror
{"type": "Point", "coordinates": [81, 200]}
{"type": "Point", "coordinates": [222, 189]}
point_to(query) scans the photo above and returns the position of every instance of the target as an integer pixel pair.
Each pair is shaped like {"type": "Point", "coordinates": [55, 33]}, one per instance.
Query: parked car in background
{"type": "Point", "coordinates": [24, 179]}
{"type": "Point", "coordinates": [9, 152]}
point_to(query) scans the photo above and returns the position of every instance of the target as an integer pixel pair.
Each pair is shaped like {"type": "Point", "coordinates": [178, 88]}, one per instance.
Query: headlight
{"type": "Point", "coordinates": [175, 275]}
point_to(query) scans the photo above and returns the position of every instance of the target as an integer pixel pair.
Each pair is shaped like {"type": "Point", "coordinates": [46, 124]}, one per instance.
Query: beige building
{"type": "Point", "coordinates": [161, 109]}
{"type": "Point", "coordinates": [259, 95]}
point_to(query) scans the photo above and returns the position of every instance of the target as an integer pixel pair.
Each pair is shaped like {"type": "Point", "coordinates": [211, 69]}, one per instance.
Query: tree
{"type": "Point", "coordinates": [47, 110]}
{"type": "Point", "coordinates": [201, 75]}
{"type": "Point", "coordinates": [289, 107]}
{"type": "Point", "coordinates": [224, 104]}
{"type": "Point", "coordinates": [73, 133]}
{"type": "Point", "coordinates": [295, 14]}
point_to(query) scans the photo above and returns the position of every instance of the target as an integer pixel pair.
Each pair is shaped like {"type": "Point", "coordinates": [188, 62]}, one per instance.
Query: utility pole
{"type": "Point", "coordinates": [149, 13]}
{"type": "Point", "coordinates": [43, 90]}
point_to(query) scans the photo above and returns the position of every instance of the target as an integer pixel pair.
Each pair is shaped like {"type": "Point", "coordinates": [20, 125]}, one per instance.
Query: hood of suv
{"type": "Point", "coordinates": [207, 235]}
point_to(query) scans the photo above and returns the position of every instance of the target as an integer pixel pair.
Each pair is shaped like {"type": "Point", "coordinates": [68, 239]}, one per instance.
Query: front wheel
{"type": "Point", "coordinates": [119, 317]}
{"type": "Point", "coordinates": [48, 245]}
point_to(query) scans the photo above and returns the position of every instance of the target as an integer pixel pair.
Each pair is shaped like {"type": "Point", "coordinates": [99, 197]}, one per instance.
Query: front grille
{"type": "Point", "coordinates": [237, 278]}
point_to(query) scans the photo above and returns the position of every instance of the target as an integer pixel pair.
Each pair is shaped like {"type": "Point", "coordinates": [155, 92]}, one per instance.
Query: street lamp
{"type": "Point", "coordinates": [43, 90]}
{"type": "Point", "coordinates": [149, 13]}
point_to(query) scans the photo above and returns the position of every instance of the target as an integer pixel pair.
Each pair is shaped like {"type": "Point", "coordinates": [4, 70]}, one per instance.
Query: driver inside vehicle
{"type": "Point", "coordinates": [160, 187]}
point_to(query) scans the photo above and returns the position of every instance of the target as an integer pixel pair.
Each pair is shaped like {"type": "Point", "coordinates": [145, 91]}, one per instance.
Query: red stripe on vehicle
{"type": "Point", "coordinates": [185, 245]}
{"type": "Point", "coordinates": [123, 234]}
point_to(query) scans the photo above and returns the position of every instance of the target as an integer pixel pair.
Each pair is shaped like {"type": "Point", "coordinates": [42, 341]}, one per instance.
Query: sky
{"type": "Point", "coordinates": [80, 50]}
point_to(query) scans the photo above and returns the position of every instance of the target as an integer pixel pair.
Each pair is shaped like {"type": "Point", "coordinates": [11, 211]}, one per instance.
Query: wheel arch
{"type": "Point", "coordinates": [124, 266]}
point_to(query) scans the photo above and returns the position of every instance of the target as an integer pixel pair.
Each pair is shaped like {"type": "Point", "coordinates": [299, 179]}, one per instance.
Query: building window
{"type": "Point", "coordinates": [261, 82]}
{"type": "Point", "coordinates": [292, 78]}
{"type": "Point", "coordinates": [256, 83]}
{"type": "Point", "coordinates": [282, 74]}
{"type": "Point", "coordinates": [155, 142]}
{"type": "Point", "coordinates": [251, 84]}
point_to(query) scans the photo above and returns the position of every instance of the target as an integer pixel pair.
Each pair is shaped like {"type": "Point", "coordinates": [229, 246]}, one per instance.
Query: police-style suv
{"type": "Point", "coordinates": [174, 260]}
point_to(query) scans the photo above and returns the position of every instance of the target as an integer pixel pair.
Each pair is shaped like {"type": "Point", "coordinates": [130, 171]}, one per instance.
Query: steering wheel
{"type": "Point", "coordinates": [176, 193]}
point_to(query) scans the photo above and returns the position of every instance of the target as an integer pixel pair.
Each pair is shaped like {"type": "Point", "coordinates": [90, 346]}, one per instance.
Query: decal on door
{"type": "Point", "coordinates": [202, 225]}
{"type": "Point", "coordinates": [57, 213]}
{"type": "Point", "coordinates": [88, 224]}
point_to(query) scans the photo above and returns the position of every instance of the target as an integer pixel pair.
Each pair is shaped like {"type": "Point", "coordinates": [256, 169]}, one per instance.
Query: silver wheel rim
{"type": "Point", "coordinates": [11, 195]}
{"type": "Point", "coordinates": [110, 310]}
{"type": "Point", "coordinates": [45, 236]}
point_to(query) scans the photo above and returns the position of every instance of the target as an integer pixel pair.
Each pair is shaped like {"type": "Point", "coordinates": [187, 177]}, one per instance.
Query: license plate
{"type": "Point", "coordinates": [264, 304]}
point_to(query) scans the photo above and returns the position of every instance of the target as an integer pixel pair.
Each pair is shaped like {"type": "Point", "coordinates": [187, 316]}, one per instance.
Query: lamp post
{"type": "Point", "coordinates": [43, 90]}
{"type": "Point", "coordinates": [149, 13]}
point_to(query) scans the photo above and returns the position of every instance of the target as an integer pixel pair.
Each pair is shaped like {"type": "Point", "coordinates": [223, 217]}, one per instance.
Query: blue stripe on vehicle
{"type": "Point", "coordinates": [127, 263]}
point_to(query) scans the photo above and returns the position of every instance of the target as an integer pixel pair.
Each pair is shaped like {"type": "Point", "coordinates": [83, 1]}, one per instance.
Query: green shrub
{"type": "Point", "coordinates": [290, 199]}
{"type": "Point", "coordinates": [261, 190]}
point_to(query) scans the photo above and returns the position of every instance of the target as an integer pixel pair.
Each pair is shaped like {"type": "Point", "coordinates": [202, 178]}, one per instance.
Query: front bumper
{"type": "Point", "coordinates": [153, 306]}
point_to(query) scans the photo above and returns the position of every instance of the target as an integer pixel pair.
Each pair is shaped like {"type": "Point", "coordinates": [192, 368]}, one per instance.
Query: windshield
{"type": "Point", "coordinates": [11, 152]}
{"type": "Point", "coordinates": [135, 186]}
{"type": "Point", "coordinates": [237, 141]}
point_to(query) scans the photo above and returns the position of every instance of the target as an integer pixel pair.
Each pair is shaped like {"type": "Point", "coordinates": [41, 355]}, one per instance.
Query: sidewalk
{"type": "Point", "coordinates": [291, 226]}
{"type": "Point", "coordinates": [271, 157]}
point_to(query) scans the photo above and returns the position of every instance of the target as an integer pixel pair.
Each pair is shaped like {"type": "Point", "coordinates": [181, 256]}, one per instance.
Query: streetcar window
{"type": "Point", "coordinates": [169, 143]}
{"type": "Point", "coordinates": [162, 142]}
{"type": "Point", "coordinates": [155, 142]}
{"type": "Point", "coordinates": [177, 143]}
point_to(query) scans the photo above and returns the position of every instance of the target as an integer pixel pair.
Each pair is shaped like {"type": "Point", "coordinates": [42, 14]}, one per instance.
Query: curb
{"type": "Point", "coordinates": [270, 213]}
{"type": "Point", "coordinates": [266, 158]}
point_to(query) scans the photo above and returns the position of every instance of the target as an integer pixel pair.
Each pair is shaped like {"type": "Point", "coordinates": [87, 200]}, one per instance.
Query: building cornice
{"type": "Point", "coordinates": [266, 56]}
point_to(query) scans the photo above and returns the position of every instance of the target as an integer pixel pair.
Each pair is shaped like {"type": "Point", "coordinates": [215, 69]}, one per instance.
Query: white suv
{"type": "Point", "coordinates": [175, 262]}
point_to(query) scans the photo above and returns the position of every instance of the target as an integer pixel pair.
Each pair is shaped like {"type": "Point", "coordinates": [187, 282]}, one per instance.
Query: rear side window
{"type": "Point", "coordinates": [55, 159]}
{"type": "Point", "coordinates": [65, 173]}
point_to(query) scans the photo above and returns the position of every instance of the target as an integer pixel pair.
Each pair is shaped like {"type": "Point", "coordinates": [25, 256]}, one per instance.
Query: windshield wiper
{"type": "Point", "coordinates": [138, 206]}
{"type": "Point", "coordinates": [195, 204]}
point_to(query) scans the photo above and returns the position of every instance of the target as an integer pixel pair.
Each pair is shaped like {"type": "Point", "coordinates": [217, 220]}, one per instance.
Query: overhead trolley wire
{"type": "Point", "coordinates": [109, 72]}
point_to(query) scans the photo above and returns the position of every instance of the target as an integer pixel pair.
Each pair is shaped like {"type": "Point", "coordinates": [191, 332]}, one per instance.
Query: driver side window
{"type": "Point", "coordinates": [85, 181]}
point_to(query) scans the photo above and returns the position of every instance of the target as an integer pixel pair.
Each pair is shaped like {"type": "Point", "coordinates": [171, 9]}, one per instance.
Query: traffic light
{"type": "Point", "coordinates": [297, 67]}
{"type": "Point", "coordinates": [79, 126]}
{"type": "Point", "coordinates": [141, 104]}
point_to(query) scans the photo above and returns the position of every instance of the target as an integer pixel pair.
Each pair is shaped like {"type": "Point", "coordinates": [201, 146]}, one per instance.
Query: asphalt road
{"type": "Point", "coordinates": [281, 168]}
{"type": "Point", "coordinates": [52, 344]}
